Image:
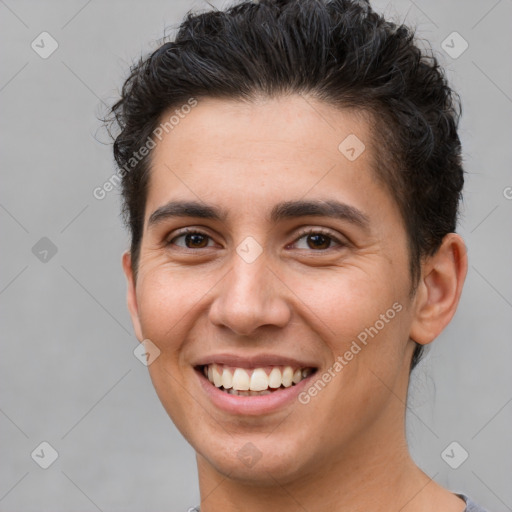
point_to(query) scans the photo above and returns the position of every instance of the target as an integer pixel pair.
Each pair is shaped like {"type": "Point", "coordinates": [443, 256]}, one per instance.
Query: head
{"type": "Point", "coordinates": [269, 117]}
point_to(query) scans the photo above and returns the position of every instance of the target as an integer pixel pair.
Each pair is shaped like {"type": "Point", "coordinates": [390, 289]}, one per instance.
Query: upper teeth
{"type": "Point", "coordinates": [258, 379]}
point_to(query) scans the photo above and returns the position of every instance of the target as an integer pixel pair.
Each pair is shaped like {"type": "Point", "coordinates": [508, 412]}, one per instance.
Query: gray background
{"type": "Point", "coordinates": [68, 373]}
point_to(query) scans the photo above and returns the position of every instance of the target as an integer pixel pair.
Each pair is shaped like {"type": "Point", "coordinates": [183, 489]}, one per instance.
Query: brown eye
{"type": "Point", "coordinates": [196, 240]}
{"type": "Point", "coordinates": [318, 241]}
{"type": "Point", "coordinates": [191, 240]}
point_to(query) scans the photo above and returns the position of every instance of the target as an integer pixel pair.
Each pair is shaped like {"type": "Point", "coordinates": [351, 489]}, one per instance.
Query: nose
{"type": "Point", "coordinates": [250, 296]}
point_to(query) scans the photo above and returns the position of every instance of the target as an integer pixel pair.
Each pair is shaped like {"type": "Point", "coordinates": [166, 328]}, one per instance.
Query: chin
{"type": "Point", "coordinates": [254, 460]}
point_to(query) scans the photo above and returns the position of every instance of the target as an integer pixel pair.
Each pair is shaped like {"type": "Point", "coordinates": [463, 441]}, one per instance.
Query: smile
{"type": "Point", "coordinates": [255, 381]}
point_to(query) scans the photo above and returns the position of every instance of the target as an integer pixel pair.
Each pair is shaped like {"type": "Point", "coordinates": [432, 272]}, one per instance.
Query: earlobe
{"type": "Point", "coordinates": [439, 290]}
{"type": "Point", "coordinates": [131, 295]}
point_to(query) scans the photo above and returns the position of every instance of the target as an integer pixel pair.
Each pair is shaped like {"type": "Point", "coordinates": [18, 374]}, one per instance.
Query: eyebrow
{"type": "Point", "coordinates": [186, 209]}
{"type": "Point", "coordinates": [285, 210]}
{"type": "Point", "coordinates": [319, 208]}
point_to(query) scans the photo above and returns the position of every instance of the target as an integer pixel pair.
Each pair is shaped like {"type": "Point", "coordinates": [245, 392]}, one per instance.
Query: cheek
{"type": "Point", "coordinates": [362, 319]}
{"type": "Point", "coordinates": [344, 302]}
{"type": "Point", "coordinates": [167, 299]}
{"type": "Point", "coordinates": [363, 322]}
{"type": "Point", "coordinates": [168, 308]}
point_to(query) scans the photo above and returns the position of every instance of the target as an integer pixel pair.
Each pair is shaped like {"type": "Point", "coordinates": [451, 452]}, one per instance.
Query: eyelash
{"type": "Point", "coordinates": [302, 234]}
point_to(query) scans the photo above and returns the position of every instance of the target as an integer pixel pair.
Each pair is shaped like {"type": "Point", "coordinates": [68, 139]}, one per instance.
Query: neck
{"type": "Point", "coordinates": [378, 475]}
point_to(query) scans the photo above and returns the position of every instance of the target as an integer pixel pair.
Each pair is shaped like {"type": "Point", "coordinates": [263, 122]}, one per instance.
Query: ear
{"type": "Point", "coordinates": [439, 289]}
{"type": "Point", "coordinates": [131, 295]}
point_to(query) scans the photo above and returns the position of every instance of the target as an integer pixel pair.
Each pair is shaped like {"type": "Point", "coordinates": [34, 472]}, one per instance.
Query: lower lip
{"type": "Point", "coordinates": [252, 405]}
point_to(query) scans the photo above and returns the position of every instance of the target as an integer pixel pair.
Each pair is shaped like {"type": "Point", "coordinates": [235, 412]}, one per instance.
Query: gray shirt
{"type": "Point", "coordinates": [471, 506]}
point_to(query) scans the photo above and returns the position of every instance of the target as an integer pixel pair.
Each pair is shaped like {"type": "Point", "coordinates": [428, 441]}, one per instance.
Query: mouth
{"type": "Point", "coordinates": [258, 381]}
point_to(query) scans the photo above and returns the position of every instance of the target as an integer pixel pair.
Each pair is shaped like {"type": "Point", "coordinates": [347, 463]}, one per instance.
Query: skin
{"type": "Point", "coordinates": [345, 450]}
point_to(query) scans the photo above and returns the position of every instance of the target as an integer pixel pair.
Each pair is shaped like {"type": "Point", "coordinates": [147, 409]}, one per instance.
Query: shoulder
{"type": "Point", "coordinates": [471, 506]}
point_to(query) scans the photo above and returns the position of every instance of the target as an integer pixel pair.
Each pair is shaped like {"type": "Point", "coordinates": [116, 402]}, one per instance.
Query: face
{"type": "Point", "coordinates": [278, 262]}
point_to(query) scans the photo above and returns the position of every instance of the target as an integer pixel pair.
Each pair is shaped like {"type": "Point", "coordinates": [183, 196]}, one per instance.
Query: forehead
{"type": "Point", "coordinates": [249, 156]}
{"type": "Point", "coordinates": [282, 127]}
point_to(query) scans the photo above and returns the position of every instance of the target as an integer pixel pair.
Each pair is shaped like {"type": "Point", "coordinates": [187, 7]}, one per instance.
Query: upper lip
{"type": "Point", "coordinates": [254, 361]}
